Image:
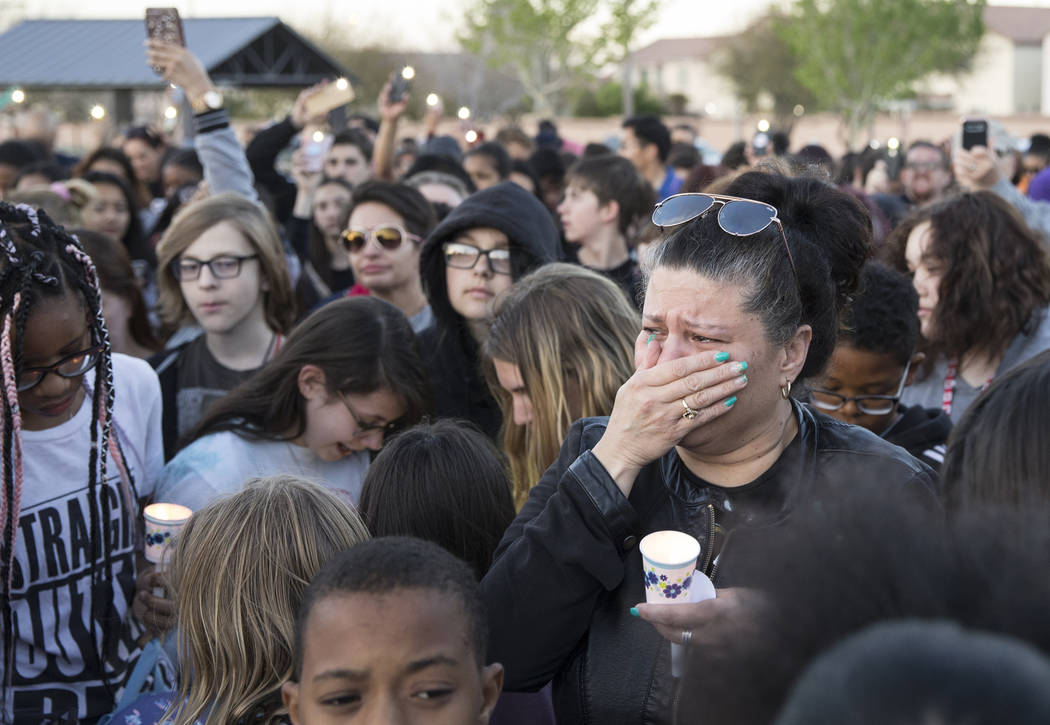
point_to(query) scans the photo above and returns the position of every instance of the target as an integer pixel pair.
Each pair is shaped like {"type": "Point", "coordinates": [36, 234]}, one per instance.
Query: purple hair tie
{"type": "Point", "coordinates": [61, 189]}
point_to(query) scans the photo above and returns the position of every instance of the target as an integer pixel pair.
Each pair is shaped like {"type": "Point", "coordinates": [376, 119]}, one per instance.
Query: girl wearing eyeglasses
{"type": "Point", "coordinates": [742, 301]}
{"type": "Point", "coordinates": [348, 376]}
{"type": "Point", "coordinates": [79, 445]}
{"type": "Point", "coordinates": [382, 238]}
{"type": "Point", "coordinates": [486, 243]}
{"type": "Point", "coordinates": [221, 268]}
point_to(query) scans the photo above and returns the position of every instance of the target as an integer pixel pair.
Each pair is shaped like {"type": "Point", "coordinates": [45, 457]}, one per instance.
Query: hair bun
{"type": "Point", "coordinates": [830, 228]}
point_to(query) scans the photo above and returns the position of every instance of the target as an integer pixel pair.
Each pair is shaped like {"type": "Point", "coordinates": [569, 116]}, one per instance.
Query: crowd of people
{"type": "Point", "coordinates": [425, 397]}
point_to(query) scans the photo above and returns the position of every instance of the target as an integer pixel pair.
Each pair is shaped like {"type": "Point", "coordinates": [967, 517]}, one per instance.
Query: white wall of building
{"type": "Point", "coordinates": [989, 88]}
{"type": "Point", "coordinates": [706, 90]}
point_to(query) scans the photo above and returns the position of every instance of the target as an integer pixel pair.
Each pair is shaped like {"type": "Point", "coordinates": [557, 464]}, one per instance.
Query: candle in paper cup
{"type": "Point", "coordinates": [164, 521]}
{"type": "Point", "coordinates": [669, 567]}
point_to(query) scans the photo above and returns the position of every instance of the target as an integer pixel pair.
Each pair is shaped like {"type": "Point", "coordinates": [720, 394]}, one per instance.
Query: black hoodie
{"type": "Point", "coordinates": [923, 432]}
{"type": "Point", "coordinates": [449, 350]}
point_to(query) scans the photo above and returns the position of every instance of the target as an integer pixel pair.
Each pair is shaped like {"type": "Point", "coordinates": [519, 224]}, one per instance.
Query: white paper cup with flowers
{"type": "Point", "coordinates": [669, 566]}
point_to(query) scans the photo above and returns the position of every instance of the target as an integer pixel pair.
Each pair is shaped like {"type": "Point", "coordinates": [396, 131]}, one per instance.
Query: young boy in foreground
{"type": "Point", "coordinates": [392, 631]}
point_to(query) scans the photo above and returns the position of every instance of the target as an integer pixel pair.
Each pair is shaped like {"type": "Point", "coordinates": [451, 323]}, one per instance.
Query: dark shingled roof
{"type": "Point", "coordinates": [110, 53]}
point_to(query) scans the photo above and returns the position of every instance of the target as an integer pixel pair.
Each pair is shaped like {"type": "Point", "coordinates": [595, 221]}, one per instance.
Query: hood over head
{"type": "Point", "coordinates": [533, 237]}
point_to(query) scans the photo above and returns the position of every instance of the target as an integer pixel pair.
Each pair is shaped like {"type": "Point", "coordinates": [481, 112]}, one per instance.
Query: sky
{"type": "Point", "coordinates": [420, 24]}
{"type": "Point", "coordinates": [417, 24]}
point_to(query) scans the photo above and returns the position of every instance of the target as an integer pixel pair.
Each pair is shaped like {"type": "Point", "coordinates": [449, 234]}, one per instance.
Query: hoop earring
{"type": "Point", "coordinates": [785, 390]}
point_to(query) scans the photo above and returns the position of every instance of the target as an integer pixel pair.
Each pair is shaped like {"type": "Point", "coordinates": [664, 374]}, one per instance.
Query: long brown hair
{"type": "Point", "coordinates": [116, 276]}
{"type": "Point", "coordinates": [571, 333]}
{"type": "Point", "coordinates": [362, 344]}
{"type": "Point", "coordinates": [249, 219]}
{"type": "Point", "coordinates": [238, 574]}
{"type": "Point", "coordinates": [996, 274]}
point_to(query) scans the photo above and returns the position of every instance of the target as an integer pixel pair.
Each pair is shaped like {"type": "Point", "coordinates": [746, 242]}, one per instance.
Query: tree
{"type": "Point", "coordinates": [607, 100]}
{"type": "Point", "coordinates": [627, 19]}
{"type": "Point", "coordinates": [539, 39]}
{"type": "Point", "coordinates": [855, 55]}
{"type": "Point", "coordinates": [759, 63]}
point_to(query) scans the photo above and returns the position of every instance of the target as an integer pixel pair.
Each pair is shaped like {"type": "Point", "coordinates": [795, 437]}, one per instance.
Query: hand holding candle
{"type": "Point", "coordinates": [669, 566]}
{"type": "Point", "coordinates": [151, 607]}
{"type": "Point", "coordinates": [715, 623]}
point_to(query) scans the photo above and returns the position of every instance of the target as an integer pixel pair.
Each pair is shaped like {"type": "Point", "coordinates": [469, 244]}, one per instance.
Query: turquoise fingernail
{"type": "Point", "coordinates": [721, 356]}
{"type": "Point", "coordinates": [743, 380]}
{"type": "Point", "coordinates": [731, 402]}
{"type": "Point", "coordinates": [634, 612]}
{"type": "Point", "coordinates": [741, 366]}
{"type": "Point", "coordinates": [651, 338]}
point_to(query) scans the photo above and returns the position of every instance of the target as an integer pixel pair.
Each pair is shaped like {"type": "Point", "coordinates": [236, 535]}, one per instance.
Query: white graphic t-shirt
{"type": "Point", "coordinates": [57, 671]}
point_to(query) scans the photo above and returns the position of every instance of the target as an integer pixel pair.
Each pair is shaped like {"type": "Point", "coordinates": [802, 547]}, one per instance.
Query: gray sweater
{"type": "Point", "coordinates": [929, 392]}
{"type": "Point", "coordinates": [222, 156]}
{"type": "Point", "coordinates": [1035, 213]}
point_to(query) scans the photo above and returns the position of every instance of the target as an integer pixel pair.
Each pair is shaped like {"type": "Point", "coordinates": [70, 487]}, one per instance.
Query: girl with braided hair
{"type": "Point", "coordinates": [67, 536]}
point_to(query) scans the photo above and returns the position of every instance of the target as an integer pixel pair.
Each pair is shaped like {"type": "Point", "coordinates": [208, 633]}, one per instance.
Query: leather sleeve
{"type": "Point", "coordinates": [563, 551]}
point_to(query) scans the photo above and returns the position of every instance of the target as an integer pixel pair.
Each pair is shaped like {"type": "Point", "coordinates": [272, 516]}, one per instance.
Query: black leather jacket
{"type": "Point", "coordinates": [568, 569]}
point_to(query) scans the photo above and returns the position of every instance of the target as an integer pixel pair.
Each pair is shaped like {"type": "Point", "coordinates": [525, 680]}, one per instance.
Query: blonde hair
{"type": "Point", "coordinates": [571, 333]}
{"type": "Point", "coordinates": [238, 576]}
{"type": "Point", "coordinates": [63, 208]}
{"type": "Point", "coordinates": [254, 223]}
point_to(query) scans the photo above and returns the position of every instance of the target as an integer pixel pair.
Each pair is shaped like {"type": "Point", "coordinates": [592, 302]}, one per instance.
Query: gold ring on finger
{"type": "Point", "coordinates": [689, 413]}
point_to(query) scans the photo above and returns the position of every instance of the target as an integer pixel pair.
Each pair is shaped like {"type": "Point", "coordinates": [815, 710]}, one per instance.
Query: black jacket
{"type": "Point", "coordinates": [923, 432]}
{"type": "Point", "coordinates": [262, 154]}
{"type": "Point", "coordinates": [166, 365]}
{"type": "Point", "coordinates": [568, 569]}
{"type": "Point", "coordinates": [449, 351]}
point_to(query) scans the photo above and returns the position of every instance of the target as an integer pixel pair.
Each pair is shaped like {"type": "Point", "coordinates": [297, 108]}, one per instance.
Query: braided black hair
{"type": "Point", "coordinates": [39, 259]}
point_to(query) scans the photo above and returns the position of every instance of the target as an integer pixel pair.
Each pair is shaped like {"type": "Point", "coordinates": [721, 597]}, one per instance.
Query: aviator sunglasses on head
{"type": "Point", "coordinates": [739, 217]}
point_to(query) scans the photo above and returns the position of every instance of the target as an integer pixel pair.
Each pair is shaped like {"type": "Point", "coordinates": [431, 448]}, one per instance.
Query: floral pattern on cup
{"type": "Point", "coordinates": [157, 538]}
{"type": "Point", "coordinates": [660, 584]}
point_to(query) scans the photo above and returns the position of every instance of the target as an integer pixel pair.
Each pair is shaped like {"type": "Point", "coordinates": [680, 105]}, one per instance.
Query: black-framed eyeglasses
{"type": "Point", "coordinates": [927, 167]}
{"type": "Point", "coordinates": [464, 256]}
{"type": "Point", "coordinates": [737, 216]}
{"type": "Point", "coordinates": [364, 429]}
{"type": "Point", "coordinates": [389, 236]}
{"type": "Point", "coordinates": [867, 404]}
{"type": "Point", "coordinates": [71, 366]}
{"type": "Point", "coordinates": [225, 266]}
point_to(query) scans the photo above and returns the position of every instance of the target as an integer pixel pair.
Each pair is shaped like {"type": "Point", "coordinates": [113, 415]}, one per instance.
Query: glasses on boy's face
{"type": "Point", "coordinates": [736, 216]}
{"type": "Point", "coordinates": [867, 404]}
{"type": "Point", "coordinates": [362, 428]}
{"type": "Point", "coordinates": [464, 256]}
{"type": "Point", "coordinates": [225, 266]}
{"type": "Point", "coordinates": [71, 366]}
{"type": "Point", "coordinates": [389, 236]}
